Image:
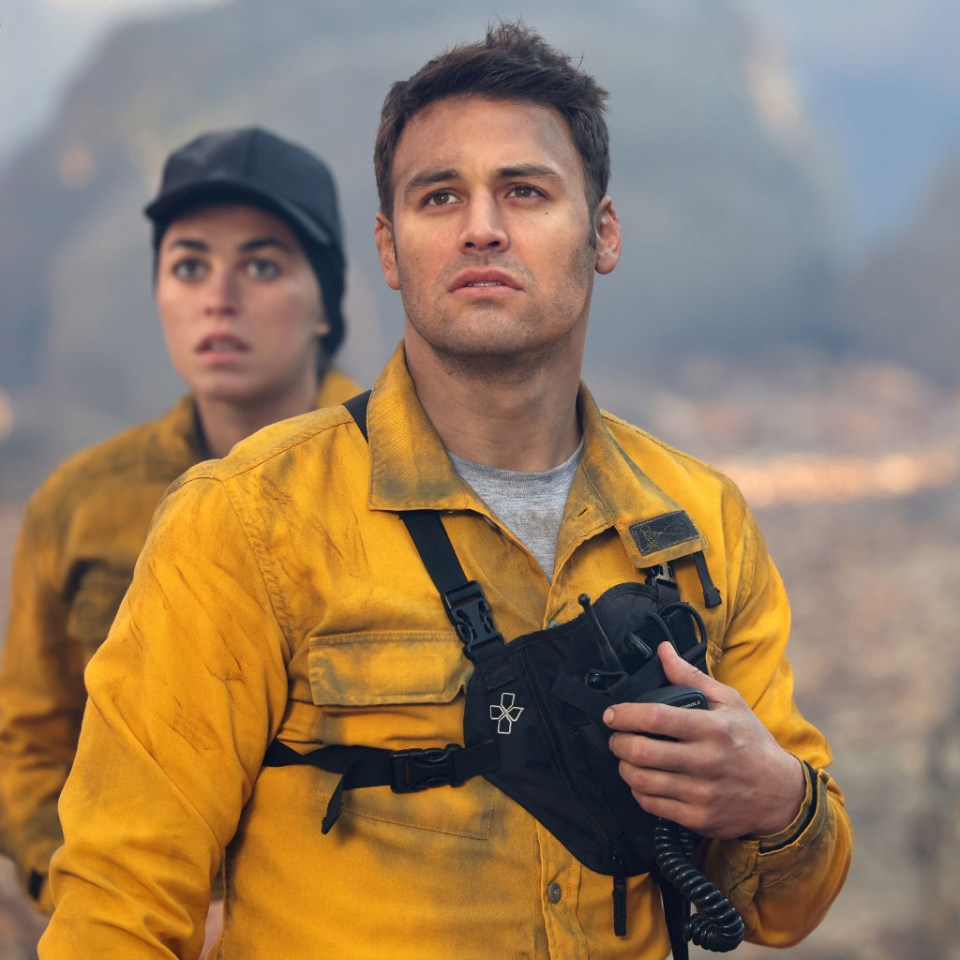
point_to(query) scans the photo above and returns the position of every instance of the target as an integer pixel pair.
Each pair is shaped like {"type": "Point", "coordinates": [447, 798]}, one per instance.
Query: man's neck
{"type": "Point", "coordinates": [515, 419]}
{"type": "Point", "coordinates": [225, 423]}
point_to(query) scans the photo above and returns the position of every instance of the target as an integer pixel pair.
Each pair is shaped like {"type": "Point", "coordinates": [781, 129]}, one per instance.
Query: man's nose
{"type": "Point", "coordinates": [484, 227]}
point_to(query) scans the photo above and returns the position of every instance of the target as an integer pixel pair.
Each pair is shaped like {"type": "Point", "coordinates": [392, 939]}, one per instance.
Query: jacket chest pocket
{"type": "Point", "coordinates": [396, 691]}
{"type": "Point", "coordinates": [94, 606]}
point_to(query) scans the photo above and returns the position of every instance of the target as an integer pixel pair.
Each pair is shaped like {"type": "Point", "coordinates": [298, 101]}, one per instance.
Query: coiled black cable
{"type": "Point", "coordinates": [717, 926]}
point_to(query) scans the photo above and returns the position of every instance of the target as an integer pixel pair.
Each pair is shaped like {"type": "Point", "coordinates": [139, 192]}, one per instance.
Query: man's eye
{"type": "Point", "coordinates": [260, 269]}
{"type": "Point", "coordinates": [189, 269]}
{"type": "Point", "coordinates": [441, 198]}
{"type": "Point", "coordinates": [524, 191]}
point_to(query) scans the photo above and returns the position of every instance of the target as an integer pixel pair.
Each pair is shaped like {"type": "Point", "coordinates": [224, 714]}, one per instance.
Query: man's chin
{"type": "Point", "coordinates": [490, 358]}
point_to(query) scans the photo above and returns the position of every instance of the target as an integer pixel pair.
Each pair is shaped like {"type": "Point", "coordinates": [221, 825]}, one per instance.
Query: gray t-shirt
{"type": "Point", "coordinates": [529, 504]}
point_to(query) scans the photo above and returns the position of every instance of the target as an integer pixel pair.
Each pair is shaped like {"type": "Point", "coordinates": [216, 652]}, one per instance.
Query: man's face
{"type": "Point", "coordinates": [240, 305]}
{"type": "Point", "coordinates": [492, 244]}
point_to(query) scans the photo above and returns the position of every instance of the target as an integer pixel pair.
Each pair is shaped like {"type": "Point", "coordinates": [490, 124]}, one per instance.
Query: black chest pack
{"type": "Point", "coordinates": [533, 727]}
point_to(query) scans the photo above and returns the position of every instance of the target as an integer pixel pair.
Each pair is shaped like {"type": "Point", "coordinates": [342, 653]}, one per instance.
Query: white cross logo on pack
{"type": "Point", "coordinates": [505, 713]}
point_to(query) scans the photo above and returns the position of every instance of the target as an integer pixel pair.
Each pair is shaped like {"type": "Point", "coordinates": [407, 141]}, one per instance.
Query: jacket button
{"type": "Point", "coordinates": [554, 893]}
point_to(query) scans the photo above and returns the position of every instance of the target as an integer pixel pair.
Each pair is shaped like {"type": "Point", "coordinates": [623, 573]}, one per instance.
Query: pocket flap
{"type": "Point", "coordinates": [362, 669]}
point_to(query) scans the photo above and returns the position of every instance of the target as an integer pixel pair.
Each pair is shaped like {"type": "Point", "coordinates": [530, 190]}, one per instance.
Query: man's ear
{"type": "Point", "coordinates": [609, 240]}
{"type": "Point", "coordinates": [387, 248]}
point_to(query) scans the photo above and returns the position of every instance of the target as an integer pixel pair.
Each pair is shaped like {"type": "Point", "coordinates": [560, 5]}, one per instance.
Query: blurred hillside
{"type": "Point", "coordinates": [727, 204]}
{"type": "Point", "coordinates": [904, 299]}
{"type": "Point", "coordinates": [753, 321]}
{"type": "Point", "coordinates": [748, 139]}
{"type": "Point", "coordinates": [881, 78]}
{"type": "Point", "coordinates": [736, 206]}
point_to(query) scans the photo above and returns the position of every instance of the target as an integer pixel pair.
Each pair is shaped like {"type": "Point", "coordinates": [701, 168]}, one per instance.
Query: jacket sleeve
{"type": "Point", "coordinates": [183, 698]}
{"type": "Point", "coordinates": [781, 885]}
{"type": "Point", "coordinates": [41, 703]}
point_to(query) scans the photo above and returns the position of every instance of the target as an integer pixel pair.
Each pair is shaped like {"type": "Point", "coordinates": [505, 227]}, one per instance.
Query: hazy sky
{"type": "Point", "coordinates": [906, 112]}
{"type": "Point", "coordinates": [42, 44]}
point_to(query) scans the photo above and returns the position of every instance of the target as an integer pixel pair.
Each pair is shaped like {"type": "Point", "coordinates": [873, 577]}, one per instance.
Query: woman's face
{"type": "Point", "coordinates": [240, 306]}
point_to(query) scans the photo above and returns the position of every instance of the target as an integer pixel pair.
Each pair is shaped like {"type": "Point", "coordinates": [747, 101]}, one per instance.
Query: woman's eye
{"type": "Point", "coordinates": [262, 269]}
{"type": "Point", "coordinates": [189, 269]}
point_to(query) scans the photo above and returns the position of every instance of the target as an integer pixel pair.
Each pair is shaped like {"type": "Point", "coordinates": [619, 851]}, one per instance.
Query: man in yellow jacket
{"type": "Point", "coordinates": [249, 280]}
{"type": "Point", "coordinates": [281, 609]}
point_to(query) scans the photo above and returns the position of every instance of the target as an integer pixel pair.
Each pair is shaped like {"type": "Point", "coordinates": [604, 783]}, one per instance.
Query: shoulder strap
{"type": "Point", "coordinates": [463, 599]}
{"type": "Point", "coordinates": [425, 526]}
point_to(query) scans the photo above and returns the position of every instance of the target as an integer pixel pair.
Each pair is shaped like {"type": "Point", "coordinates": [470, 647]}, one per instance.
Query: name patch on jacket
{"type": "Point", "coordinates": [662, 532]}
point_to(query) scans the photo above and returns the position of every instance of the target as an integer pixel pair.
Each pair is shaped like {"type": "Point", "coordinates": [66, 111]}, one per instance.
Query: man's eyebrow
{"type": "Point", "coordinates": [430, 178]}
{"type": "Point", "coordinates": [531, 170]}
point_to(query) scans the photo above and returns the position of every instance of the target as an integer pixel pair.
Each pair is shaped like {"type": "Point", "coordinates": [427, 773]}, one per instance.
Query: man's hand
{"type": "Point", "coordinates": [725, 776]}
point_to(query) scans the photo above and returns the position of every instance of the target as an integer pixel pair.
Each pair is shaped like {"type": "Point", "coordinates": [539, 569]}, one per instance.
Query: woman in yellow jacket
{"type": "Point", "coordinates": [250, 269]}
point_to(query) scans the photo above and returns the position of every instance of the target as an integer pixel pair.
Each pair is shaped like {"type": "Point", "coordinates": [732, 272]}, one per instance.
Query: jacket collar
{"type": "Point", "coordinates": [611, 490]}
{"type": "Point", "coordinates": [410, 466]}
{"type": "Point", "coordinates": [335, 386]}
{"type": "Point", "coordinates": [177, 441]}
{"type": "Point", "coordinates": [412, 471]}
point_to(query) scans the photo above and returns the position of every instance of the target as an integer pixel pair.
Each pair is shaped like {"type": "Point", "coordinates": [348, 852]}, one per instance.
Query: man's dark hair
{"type": "Point", "coordinates": [512, 63]}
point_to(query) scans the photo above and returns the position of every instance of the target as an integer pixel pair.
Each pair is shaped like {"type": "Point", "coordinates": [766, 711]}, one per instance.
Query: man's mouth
{"type": "Point", "coordinates": [484, 279]}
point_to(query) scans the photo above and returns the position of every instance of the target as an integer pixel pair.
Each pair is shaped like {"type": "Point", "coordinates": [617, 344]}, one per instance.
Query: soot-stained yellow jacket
{"type": "Point", "coordinates": [280, 595]}
{"type": "Point", "coordinates": [79, 541]}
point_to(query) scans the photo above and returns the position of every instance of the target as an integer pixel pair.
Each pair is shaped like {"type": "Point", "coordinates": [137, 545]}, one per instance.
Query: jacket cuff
{"type": "Point", "coordinates": [770, 843]}
{"type": "Point", "coordinates": [732, 863]}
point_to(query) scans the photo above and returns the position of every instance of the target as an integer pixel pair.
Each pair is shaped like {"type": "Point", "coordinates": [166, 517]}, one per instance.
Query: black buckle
{"type": "Point", "coordinates": [469, 611]}
{"type": "Point", "coordinates": [662, 573]}
{"type": "Point", "coordinates": [415, 770]}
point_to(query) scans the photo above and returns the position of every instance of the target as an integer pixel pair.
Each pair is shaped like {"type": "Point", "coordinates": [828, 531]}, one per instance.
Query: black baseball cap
{"type": "Point", "coordinates": [253, 165]}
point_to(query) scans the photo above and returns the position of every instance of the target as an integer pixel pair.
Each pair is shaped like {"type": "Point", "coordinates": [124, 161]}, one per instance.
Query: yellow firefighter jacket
{"type": "Point", "coordinates": [280, 595]}
{"type": "Point", "coordinates": [80, 537]}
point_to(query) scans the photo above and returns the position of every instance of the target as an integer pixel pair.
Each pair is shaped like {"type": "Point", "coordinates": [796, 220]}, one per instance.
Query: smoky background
{"type": "Point", "coordinates": [787, 173]}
